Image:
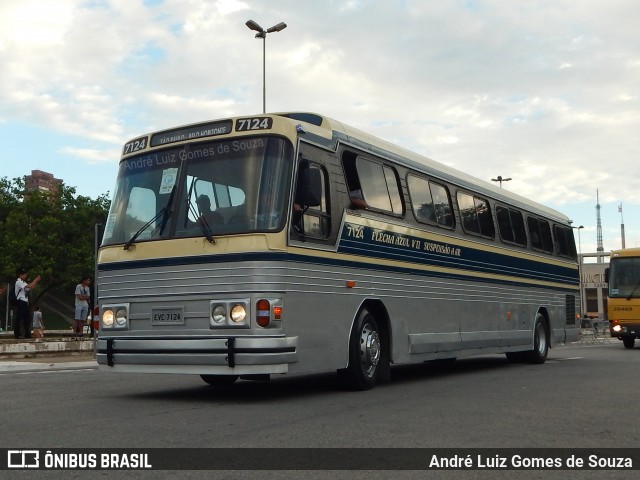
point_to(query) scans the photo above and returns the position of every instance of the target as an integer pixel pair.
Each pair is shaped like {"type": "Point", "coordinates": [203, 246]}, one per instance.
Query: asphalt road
{"type": "Point", "coordinates": [572, 401]}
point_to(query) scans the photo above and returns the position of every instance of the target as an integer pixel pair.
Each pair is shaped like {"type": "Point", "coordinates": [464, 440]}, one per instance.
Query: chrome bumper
{"type": "Point", "coordinates": [197, 355]}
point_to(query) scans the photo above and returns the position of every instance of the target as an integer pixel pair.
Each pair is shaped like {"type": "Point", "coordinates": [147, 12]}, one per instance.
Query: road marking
{"type": "Point", "coordinates": [66, 370]}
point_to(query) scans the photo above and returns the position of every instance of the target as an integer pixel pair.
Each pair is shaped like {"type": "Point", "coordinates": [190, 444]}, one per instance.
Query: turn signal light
{"type": "Point", "coordinates": [263, 309]}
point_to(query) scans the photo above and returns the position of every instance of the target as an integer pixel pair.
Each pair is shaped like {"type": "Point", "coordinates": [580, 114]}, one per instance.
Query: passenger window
{"type": "Point", "coordinates": [379, 186]}
{"type": "Point", "coordinates": [565, 241]}
{"type": "Point", "coordinates": [430, 201]}
{"type": "Point", "coordinates": [441, 205]}
{"type": "Point", "coordinates": [511, 226]}
{"type": "Point", "coordinates": [540, 234]}
{"type": "Point", "coordinates": [547, 240]}
{"type": "Point", "coordinates": [475, 215]}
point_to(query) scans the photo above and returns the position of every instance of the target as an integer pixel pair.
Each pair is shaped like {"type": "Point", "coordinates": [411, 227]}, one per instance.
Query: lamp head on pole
{"type": "Point", "coordinates": [255, 27]}
{"type": "Point", "coordinates": [499, 179]}
{"type": "Point", "coordinates": [277, 28]}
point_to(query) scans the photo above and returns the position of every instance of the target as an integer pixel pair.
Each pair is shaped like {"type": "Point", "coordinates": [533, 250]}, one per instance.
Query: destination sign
{"type": "Point", "coordinates": [193, 132]}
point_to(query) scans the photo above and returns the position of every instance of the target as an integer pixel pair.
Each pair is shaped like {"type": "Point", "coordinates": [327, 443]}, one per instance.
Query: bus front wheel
{"type": "Point", "coordinates": [628, 342]}
{"type": "Point", "coordinates": [365, 353]}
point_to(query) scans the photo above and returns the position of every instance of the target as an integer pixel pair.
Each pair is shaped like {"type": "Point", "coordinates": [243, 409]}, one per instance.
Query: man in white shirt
{"type": "Point", "coordinates": [22, 325]}
{"type": "Point", "coordinates": [83, 295]}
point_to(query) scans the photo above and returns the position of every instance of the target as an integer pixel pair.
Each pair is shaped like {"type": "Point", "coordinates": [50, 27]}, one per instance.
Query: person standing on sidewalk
{"type": "Point", "coordinates": [38, 325]}
{"type": "Point", "coordinates": [83, 295]}
{"type": "Point", "coordinates": [22, 327]}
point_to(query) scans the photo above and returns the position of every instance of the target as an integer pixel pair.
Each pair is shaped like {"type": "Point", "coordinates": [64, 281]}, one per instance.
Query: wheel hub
{"type": "Point", "coordinates": [369, 348]}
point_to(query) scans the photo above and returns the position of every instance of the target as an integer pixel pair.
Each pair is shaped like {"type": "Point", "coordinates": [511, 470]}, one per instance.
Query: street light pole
{"type": "Point", "coordinates": [500, 180]}
{"type": "Point", "coordinates": [262, 33]}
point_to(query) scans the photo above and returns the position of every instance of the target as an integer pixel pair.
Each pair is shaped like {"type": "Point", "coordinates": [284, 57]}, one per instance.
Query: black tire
{"type": "Point", "coordinates": [540, 342]}
{"type": "Point", "coordinates": [219, 380]}
{"type": "Point", "coordinates": [365, 354]}
{"type": "Point", "coordinates": [515, 357]}
{"type": "Point", "coordinates": [628, 342]}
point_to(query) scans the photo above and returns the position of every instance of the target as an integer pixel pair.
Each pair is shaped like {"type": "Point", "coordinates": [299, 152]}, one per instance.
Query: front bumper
{"type": "Point", "coordinates": [235, 355]}
{"type": "Point", "coordinates": [626, 331]}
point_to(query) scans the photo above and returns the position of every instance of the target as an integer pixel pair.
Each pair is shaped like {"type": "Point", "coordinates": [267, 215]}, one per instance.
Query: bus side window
{"type": "Point", "coordinates": [511, 226]}
{"type": "Point", "coordinates": [442, 205]}
{"type": "Point", "coordinates": [372, 184]}
{"type": "Point", "coordinates": [356, 197]}
{"type": "Point", "coordinates": [565, 241]}
{"type": "Point", "coordinates": [540, 234]}
{"type": "Point", "coordinates": [311, 215]}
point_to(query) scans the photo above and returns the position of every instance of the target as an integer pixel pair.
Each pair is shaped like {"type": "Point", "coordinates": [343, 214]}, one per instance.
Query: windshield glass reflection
{"type": "Point", "coordinates": [224, 187]}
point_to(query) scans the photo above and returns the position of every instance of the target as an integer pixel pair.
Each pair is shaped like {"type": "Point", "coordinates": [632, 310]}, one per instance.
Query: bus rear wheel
{"type": "Point", "coordinates": [540, 342]}
{"type": "Point", "coordinates": [628, 342]}
{"type": "Point", "coordinates": [365, 353]}
{"type": "Point", "coordinates": [219, 380]}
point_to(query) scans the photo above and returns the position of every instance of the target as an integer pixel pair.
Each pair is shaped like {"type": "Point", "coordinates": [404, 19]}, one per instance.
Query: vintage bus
{"type": "Point", "coordinates": [292, 243]}
{"type": "Point", "coordinates": [623, 300]}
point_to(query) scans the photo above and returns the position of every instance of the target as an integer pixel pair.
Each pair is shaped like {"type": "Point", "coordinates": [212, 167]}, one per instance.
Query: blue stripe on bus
{"type": "Point", "coordinates": [312, 260]}
{"type": "Point", "coordinates": [369, 242]}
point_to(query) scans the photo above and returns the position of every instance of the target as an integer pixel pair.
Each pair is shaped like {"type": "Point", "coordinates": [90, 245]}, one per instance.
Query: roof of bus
{"type": "Point", "coordinates": [427, 165]}
{"type": "Point", "coordinates": [333, 130]}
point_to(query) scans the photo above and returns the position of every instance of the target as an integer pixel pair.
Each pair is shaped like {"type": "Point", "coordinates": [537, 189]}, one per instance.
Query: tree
{"type": "Point", "coordinates": [51, 234]}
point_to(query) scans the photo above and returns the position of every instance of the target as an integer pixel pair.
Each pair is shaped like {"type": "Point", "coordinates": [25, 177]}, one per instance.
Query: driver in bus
{"type": "Point", "coordinates": [207, 216]}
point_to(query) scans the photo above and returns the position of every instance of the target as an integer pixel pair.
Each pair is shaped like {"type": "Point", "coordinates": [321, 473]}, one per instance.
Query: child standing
{"type": "Point", "coordinates": [38, 326]}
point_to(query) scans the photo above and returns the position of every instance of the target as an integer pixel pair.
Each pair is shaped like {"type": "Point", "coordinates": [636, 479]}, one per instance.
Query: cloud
{"type": "Point", "coordinates": [544, 92]}
{"type": "Point", "coordinates": [92, 156]}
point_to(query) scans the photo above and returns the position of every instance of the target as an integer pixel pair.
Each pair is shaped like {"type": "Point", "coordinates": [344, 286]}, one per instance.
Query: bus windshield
{"type": "Point", "coordinates": [624, 277]}
{"type": "Point", "coordinates": [201, 189]}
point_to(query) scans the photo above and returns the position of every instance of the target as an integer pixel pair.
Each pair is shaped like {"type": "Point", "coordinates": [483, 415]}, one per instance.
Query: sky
{"type": "Point", "coordinates": [546, 93]}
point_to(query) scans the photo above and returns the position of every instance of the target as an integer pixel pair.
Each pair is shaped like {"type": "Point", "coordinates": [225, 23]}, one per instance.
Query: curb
{"type": "Point", "coordinates": [46, 347]}
{"type": "Point", "coordinates": [49, 365]}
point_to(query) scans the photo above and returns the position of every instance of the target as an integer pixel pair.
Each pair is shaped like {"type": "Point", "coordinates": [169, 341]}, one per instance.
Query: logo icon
{"type": "Point", "coordinates": [23, 459]}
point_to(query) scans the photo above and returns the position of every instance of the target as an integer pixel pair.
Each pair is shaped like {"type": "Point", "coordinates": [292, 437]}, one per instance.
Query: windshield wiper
{"type": "Point", "coordinates": [203, 224]}
{"type": "Point", "coordinates": [206, 230]}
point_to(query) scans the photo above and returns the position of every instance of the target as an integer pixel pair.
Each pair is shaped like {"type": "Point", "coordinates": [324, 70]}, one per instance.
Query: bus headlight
{"type": "Point", "coordinates": [229, 313]}
{"type": "Point", "coordinates": [115, 316]}
{"type": "Point", "coordinates": [219, 314]}
{"type": "Point", "coordinates": [107, 318]}
{"type": "Point", "coordinates": [121, 317]}
{"type": "Point", "coordinates": [238, 313]}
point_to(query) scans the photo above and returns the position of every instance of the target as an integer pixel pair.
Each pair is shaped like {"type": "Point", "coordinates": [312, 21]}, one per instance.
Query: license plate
{"type": "Point", "coordinates": [167, 316]}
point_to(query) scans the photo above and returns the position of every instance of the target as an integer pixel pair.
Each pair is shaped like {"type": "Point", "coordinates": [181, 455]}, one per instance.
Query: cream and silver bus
{"type": "Point", "coordinates": [292, 243]}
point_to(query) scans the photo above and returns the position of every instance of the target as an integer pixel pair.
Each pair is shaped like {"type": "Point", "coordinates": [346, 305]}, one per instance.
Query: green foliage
{"type": "Point", "coordinates": [49, 234]}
